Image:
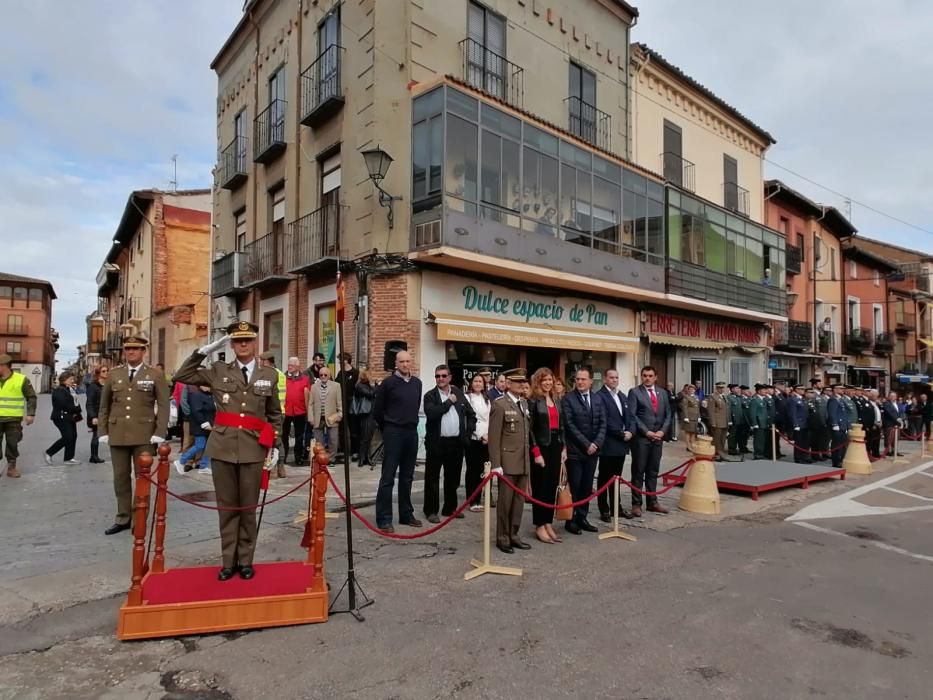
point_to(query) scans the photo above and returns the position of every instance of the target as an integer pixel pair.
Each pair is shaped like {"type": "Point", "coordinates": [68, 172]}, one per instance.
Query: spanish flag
{"type": "Point", "coordinates": [341, 299]}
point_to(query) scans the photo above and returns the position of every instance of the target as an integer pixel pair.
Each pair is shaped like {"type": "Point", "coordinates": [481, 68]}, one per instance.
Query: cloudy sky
{"type": "Point", "coordinates": [97, 95]}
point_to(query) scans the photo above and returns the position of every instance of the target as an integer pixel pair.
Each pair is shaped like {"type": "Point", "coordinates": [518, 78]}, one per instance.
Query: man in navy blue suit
{"type": "Point", "coordinates": [585, 431]}
{"type": "Point", "coordinates": [650, 409]}
{"type": "Point", "coordinates": [837, 417]}
{"type": "Point", "coordinates": [796, 417]}
{"type": "Point", "coordinates": [615, 447]}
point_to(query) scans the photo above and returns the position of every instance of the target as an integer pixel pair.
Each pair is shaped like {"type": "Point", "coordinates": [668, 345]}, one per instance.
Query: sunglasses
{"type": "Point", "coordinates": [441, 376]}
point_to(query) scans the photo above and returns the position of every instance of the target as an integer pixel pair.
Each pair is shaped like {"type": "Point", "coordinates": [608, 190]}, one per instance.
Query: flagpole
{"type": "Point", "coordinates": [351, 583]}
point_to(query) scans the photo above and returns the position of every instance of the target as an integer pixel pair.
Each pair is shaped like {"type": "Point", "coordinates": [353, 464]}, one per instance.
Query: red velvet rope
{"type": "Point", "coordinates": [227, 509]}
{"type": "Point", "coordinates": [812, 452]}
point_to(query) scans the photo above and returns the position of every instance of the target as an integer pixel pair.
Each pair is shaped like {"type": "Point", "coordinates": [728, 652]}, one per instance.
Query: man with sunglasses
{"type": "Point", "coordinates": [449, 423]}
{"type": "Point", "coordinates": [248, 423]}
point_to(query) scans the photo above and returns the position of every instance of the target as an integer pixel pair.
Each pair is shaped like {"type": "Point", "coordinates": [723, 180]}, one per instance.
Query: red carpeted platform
{"type": "Point", "coordinates": [201, 584]}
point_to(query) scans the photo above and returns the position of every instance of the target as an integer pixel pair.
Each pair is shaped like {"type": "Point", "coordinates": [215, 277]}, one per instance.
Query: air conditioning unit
{"type": "Point", "coordinates": [223, 312]}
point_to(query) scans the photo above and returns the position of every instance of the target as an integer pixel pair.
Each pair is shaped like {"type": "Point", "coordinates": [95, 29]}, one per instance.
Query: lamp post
{"type": "Point", "coordinates": [377, 165]}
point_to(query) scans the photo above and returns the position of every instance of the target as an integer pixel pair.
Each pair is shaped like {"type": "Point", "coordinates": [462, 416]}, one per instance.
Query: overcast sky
{"type": "Point", "coordinates": [97, 95]}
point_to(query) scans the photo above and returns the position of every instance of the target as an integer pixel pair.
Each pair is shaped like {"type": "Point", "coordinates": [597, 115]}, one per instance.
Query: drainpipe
{"type": "Point", "coordinates": [297, 154]}
{"type": "Point", "coordinates": [254, 312]}
{"type": "Point", "coordinates": [816, 321]}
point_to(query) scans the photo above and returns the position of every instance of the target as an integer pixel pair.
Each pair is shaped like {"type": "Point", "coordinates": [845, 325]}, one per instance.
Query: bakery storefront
{"type": "Point", "coordinates": [471, 323]}
{"type": "Point", "coordinates": [685, 348]}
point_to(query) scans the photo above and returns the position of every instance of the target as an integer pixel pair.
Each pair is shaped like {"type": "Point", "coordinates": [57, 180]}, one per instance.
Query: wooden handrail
{"type": "Point", "coordinates": [158, 561]}
{"type": "Point", "coordinates": [140, 515]}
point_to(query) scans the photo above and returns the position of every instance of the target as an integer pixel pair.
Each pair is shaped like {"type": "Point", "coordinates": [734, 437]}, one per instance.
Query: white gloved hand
{"type": "Point", "coordinates": [206, 426]}
{"type": "Point", "coordinates": [498, 471]}
{"type": "Point", "coordinates": [272, 459]}
{"type": "Point", "coordinates": [836, 428]}
{"type": "Point", "coordinates": [213, 347]}
{"type": "Point", "coordinates": [796, 429]}
{"type": "Point", "coordinates": [155, 440]}
{"type": "Point", "coordinates": [104, 439]}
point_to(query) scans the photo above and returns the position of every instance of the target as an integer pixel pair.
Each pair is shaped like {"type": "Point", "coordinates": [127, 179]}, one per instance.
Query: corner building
{"type": "Point", "coordinates": [512, 227]}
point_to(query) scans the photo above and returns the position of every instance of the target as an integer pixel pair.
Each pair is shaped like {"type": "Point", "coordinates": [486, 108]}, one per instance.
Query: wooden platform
{"type": "Point", "coordinates": [761, 475]}
{"type": "Point", "coordinates": [186, 601]}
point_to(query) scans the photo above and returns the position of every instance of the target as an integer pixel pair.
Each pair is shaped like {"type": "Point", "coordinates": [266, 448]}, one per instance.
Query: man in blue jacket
{"type": "Point", "coordinates": [615, 447]}
{"type": "Point", "coordinates": [200, 421]}
{"type": "Point", "coordinates": [585, 429]}
{"type": "Point", "coordinates": [796, 416]}
{"type": "Point", "coordinates": [838, 420]}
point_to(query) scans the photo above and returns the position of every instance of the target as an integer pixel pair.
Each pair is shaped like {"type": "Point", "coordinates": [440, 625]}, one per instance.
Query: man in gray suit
{"type": "Point", "coordinates": [650, 408]}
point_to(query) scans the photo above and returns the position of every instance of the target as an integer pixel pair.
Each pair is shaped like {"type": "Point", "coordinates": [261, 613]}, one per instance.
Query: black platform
{"type": "Point", "coordinates": [761, 475]}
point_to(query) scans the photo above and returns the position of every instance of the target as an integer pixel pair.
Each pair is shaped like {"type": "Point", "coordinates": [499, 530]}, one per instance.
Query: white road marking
{"type": "Point", "coordinates": [906, 493]}
{"type": "Point", "coordinates": [879, 545]}
{"type": "Point", "coordinates": [926, 474]}
{"type": "Point", "coordinates": [845, 505]}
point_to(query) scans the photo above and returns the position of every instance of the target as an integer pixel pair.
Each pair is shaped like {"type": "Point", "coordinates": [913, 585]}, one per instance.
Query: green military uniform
{"type": "Point", "coordinates": [819, 440]}
{"type": "Point", "coordinates": [851, 409]}
{"type": "Point", "coordinates": [738, 420]}
{"type": "Point", "coordinates": [509, 443]}
{"type": "Point", "coordinates": [745, 430]}
{"type": "Point", "coordinates": [134, 408]}
{"type": "Point", "coordinates": [772, 414]}
{"type": "Point", "coordinates": [236, 455]}
{"type": "Point", "coordinates": [17, 401]}
{"type": "Point", "coordinates": [760, 423]}
{"type": "Point", "coordinates": [719, 419]}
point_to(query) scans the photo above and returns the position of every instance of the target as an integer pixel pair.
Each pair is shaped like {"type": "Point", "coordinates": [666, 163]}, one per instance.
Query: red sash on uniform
{"type": "Point", "coordinates": [236, 420]}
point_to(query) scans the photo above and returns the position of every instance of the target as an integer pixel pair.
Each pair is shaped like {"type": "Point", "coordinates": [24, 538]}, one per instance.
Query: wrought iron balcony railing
{"type": "Point", "coordinates": [588, 123]}
{"type": "Point", "coordinates": [233, 163]}
{"type": "Point", "coordinates": [265, 259]}
{"type": "Point", "coordinates": [859, 340]}
{"type": "Point", "coordinates": [905, 320]}
{"type": "Point", "coordinates": [827, 342]}
{"type": "Point", "coordinates": [793, 335]}
{"type": "Point", "coordinates": [269, 136]}
{"type": "Point", "coordinates": [313, 238]}
{"type": "Point", "coordinates": [884, 343]}
{"type": "Point", "coordinates": [321, 87]}
{"type": "Point", "coordinates": [735, 198]}
{"type": "Point", "coordinates": [793, 259]}
{"type": "Point", "coordinates": [226, 274]}
{"type": "Point", "coordinates": [488, 71]}
{"type": "Point", "coordinates": [678, 170]}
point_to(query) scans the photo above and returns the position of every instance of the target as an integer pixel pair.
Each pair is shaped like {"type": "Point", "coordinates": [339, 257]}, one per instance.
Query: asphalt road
{"type": "Point", "coordinates": [833, 604]}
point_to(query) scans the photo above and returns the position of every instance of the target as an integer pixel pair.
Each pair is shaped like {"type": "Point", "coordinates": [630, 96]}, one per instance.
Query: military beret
{"type": "Point", "coordinates": [135, 341]}
{"type": "Point", "coordinates": [759, 386]}
{"type": "Point", "coordinates": [240, 330]}
{"type": "Point", "coordinates": [516, 375]}
{"type": "Point", "coordinates": [743, 388]}
{"type": "Point", "coordinates": [720, 383]}
{"type": "Point", "coordinates": [267, 355]}
{"type": "Point", "coordinates": [731, 386]}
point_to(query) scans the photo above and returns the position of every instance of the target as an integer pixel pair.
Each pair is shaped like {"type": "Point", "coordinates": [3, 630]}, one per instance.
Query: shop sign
{"type": "Point", "coordinates": [704, 329]}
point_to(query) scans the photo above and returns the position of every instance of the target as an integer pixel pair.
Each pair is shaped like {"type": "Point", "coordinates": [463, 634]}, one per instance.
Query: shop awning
{"type": "Point", "coordinates": [800, 355]}
{"type": "Point", "coordinates": [752, 349]}
{"type": "Point", "coordinates": [470, 330]}
{"type": "Point", "coordinates": [926, 341]}
{"type": "Point", "coordinates": [682, 342]}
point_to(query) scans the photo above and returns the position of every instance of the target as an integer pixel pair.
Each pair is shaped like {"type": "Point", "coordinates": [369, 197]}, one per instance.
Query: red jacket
{"type": "Point", "coordinates": [295, 394]}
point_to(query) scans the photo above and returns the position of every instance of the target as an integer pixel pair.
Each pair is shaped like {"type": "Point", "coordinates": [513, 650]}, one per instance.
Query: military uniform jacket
{"type": "Point", "coordinates": [690, 409]}
{"type": "Point", "coordinates": [759, 413]}
{"type": "Point", "coordinates": [851, 409]}
{"type": "Point", "coordinates": [132, 412]}
{"type": "Point", "coordinates": [772, 411]}
{"type": "Point", "coordinates": [258, 399]}
{"type": "Point", "coordinates": [509, 438]}
{"type": "Point", "coordinates": [737, 410]}
{"type": "Point", "coordinates": [796, 413]}
{"type": "Point", "coordinates": [718, 411]}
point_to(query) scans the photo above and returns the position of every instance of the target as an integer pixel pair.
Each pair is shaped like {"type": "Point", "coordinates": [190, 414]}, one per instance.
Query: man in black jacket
{"type": "Point", "coordinates": [449, 423]}
{"type": "Point", "coordinates": [890, 422]}
{"type": "Point", "coordinates": [615, 448]}
{"type": "Point", "coordinates": [585, 427]}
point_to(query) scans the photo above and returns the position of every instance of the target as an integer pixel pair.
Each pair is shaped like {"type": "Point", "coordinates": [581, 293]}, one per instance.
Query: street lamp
{"type": "Point", "coordinates": [377, 165]}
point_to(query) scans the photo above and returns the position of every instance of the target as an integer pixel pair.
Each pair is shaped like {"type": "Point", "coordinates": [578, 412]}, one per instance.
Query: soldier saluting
{"type": "Point", "coordinates": [133, 418]}
{"type": "Point", "coordinates": [247, 425]}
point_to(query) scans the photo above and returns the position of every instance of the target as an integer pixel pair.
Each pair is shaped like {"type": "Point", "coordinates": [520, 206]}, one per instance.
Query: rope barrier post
{"type": "Point", "coordinates": [774, 439]}
{"type": "Point", "coordinates": [158, 561]}
{"type": "Point", "coordinates": [486, 566]}
{"type": "Point", "coordinates": [897, 458]}
{"type": "Point", "coordinates": [616, 533]}
{"type": "Point", "coordinates": [140, 515]}
{"type": "Point", "coordinates": [856, 460]}
{"type": "Point", "coordinates": [701, 492]}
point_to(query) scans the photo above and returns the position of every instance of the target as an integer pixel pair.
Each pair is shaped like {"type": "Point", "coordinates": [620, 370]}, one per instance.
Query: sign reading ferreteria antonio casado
{"type": "Point", "coordinates": [725, 332]}
{"type": "Point", "coordinates": [476, 311]}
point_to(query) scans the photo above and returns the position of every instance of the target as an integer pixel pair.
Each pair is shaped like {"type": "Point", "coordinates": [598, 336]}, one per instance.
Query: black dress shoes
{"type": "Point", "coordinates": [521, 545]}
{"type": "Point", "coordinates": [572, 528]}
{"type": "Point", "coordinates": [96, 460]}
{"type": "Point", "coordinates": [505, 548]}
{"type": "Point", "coordinates": [627, 514]}
{"type": "Point", "coordinates": [412, 522]}
{"type": "Point", "coordinates": [247, 572]}
{"type": "Point", "coordinates": [225, 573]}
{"type": "Point", "coordinates": [116, 527]}
{"type": "Point", "coordinates": [588, 526]}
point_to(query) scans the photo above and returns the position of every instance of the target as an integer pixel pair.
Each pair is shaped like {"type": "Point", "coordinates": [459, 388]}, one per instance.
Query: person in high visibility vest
{"type": "Point", "coordinates": [268, 360]}
{"type": "Point", "coordinates": [17, 406]}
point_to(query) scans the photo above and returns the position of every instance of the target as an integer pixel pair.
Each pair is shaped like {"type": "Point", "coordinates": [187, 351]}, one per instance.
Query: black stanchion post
{"type": "Point", "coordinates": [351, 585]}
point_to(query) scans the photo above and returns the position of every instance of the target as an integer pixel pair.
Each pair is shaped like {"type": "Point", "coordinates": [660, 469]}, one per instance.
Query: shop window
{"type": "Point", "coordinates": [596, 362]}
{"type": "Point", "coordinates": [273, 334]}
{"type": "Point", "coordinates": [465, 359]}
{"type": "Point", "coordinates": [740, 372]}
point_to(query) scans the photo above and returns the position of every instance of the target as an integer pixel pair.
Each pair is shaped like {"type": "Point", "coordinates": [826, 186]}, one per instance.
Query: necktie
{"type": "Point", "coordinates": [654, 400]}
{"type": "Point", "coordinates": [245, 374]}
{"type": "Point", "coordinates": [132, 373]}
{"type": "Point", "coordinates": [586, 400]}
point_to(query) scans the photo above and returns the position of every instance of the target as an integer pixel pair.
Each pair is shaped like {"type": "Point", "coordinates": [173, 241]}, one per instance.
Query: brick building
{"type": "Point", "coordinates": [26, 332]}
{"type": "Point", "coordinates": [155, 278]}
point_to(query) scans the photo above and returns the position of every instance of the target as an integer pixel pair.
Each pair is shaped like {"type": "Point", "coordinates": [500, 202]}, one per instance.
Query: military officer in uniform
{"type": "Point", "coordinates": [509, 440]}
{"type": "Point", "coordinates": [838, 416]}
{"type": "Point", "coordinates": [745, 430]}
{"type": "Point", "coordinates": [247, 425]}
{"type": "Point", "coordinates": [849, 403]}
{"type": "Point", "coordinates": [796, 422]}
{"type": "Point", "coordinates": [772, 415]}
{"type": "Point", "coordinates": [719, 420]}
{"type": "Point", "coordinates": [736, 418]}
{"type": "Point", "coordinates": [760, 423]}
{"type": "Point", "coordinates": [133, 418]}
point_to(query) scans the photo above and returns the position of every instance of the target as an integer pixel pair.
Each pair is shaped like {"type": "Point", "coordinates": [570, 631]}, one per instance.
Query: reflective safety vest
{"type": "Point", "coordinates": [281, 387]}
{"type": "Point", "coordinates": [12, 401]}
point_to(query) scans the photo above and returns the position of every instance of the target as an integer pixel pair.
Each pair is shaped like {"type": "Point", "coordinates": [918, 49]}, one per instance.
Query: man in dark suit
{"type": "Point", "coordinates": [651, 411]}
{"type": "Point", "coordinates": [796, 416]}
{"type": "Point", "coordinates": [615, 448]}
{"type": "Point", "coordinates": [449, 423]}
{"type": "Point", "coordinates": [871, 420]}
{"type": "Point", "coordinates": [890, 422]}
{"type": "Point", "coordinates": [838, 418]}
{"type": "Point", "coordinates": [585, 429]}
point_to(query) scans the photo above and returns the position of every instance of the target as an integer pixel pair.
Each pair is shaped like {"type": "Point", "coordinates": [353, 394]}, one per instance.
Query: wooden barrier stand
{"type": "Point", "coordinates": [190, 600]}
